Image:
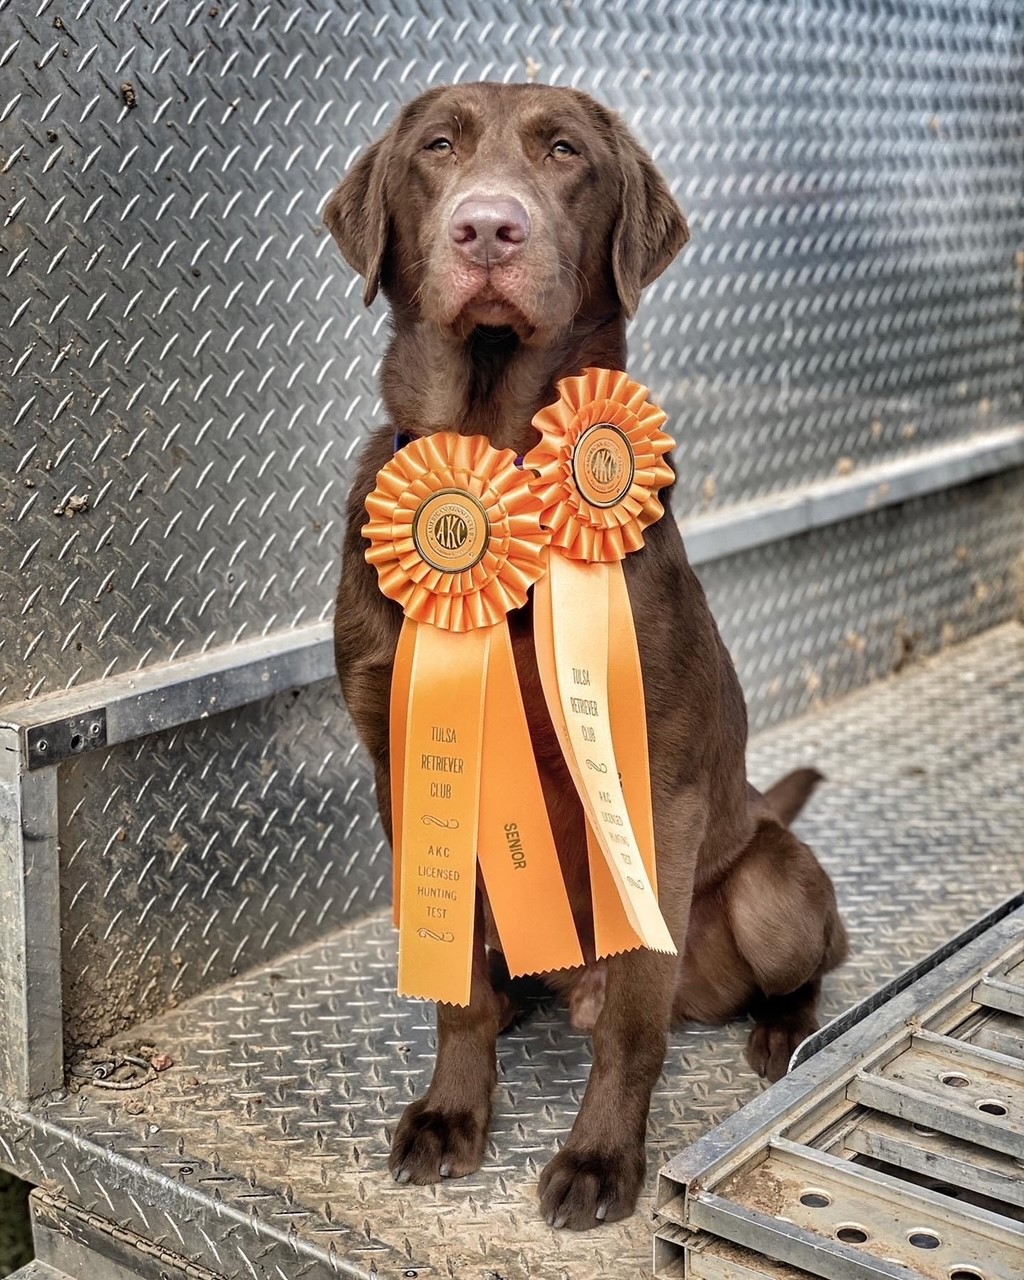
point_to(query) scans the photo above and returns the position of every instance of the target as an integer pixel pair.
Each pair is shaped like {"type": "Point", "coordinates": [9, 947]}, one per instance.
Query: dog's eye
{"type": "Point", "coordinates": [561, 148]}
{"type": "Point", "coordinates": [442, 146]}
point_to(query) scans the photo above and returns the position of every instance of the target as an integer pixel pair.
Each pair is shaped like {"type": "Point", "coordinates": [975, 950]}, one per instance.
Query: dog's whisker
{"type": "Point", "coordinates": [579, 281]}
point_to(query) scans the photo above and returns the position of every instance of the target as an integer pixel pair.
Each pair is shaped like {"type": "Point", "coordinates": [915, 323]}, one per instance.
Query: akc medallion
{"type": "Point", "coordinates": [451, 530]}
{"type": "Point", "coordinates": [600, 463]}
{"type": "Point", "coordinates": [603, 465]}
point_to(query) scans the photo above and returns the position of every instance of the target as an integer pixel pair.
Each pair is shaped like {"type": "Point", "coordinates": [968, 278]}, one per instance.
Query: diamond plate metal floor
{"type": "Point", "coordinates": [262, 1151]}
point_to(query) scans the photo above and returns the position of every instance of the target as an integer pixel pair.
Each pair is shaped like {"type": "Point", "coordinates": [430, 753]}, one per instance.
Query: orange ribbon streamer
{"type": "Point", "coordinates": [599, 466]}
{"type": "Point", "coordinates": [440, 803]}
{"type": "Point", "coordinates": [516, 849]}
{"type": "Point", "coordinates": [456, 540]}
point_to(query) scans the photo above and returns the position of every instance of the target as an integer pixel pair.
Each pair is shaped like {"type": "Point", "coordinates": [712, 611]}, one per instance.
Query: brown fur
{"type": "Point", "coordinates": [752, 912]}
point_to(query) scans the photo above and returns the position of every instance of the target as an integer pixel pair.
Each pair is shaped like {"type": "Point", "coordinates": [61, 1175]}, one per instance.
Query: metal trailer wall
{"type": "Point", "coordinates": [188, 372]}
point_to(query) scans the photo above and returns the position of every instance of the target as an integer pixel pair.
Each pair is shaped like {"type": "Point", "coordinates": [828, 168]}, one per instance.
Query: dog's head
{"type": "Point", "coordinates": [516, 207]}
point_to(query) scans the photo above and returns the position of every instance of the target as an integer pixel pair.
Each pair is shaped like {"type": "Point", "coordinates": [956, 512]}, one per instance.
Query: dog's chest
{"type": "Point", "coordinates": [545, 743]}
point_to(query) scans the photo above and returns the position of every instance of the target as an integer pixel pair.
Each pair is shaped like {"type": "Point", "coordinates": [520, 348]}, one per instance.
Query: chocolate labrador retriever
{"type": "Point", "coordinates": [512, 229]}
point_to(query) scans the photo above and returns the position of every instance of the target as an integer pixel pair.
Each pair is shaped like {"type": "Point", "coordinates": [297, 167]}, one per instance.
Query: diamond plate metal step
{"type": "Point", "coordinates": [263, 1147]}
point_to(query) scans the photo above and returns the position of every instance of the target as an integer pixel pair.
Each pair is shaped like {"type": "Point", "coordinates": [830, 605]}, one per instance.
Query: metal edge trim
{"type": "Point", "coordinates": [1006, 997]}
{"type": "Point", "coordinates": [815, 506]}
{"type": "Point", "coordinates": [174, 693]}
{"type": "Point", "coordinates": [31, 997]}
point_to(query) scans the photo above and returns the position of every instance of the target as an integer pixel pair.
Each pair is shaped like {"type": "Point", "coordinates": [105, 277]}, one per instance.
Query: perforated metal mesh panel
{"type": "Point", "coordinates": [187, 368]}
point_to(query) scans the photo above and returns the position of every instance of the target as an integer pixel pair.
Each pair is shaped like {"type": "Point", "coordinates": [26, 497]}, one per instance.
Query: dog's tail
{"type": "Point", "coordinates": [791, 793]}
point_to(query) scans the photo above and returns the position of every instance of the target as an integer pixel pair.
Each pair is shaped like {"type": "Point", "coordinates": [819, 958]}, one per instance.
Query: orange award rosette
{"type": "Point", "coordinates": [599, 466]}
{"type": "Point", "coordinates": [456, 539]}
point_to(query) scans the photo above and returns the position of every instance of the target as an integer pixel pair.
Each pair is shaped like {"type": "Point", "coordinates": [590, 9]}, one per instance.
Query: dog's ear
{"type": "Point", "coordinates": [650, 228]}
{"type": "Point", "coordinates": [357, 215]}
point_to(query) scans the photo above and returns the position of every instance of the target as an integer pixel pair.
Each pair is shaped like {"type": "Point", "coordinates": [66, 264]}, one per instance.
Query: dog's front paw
{"type": "Point", "coordinates": [430, 1144]}
{"type": "Point", "coordinates": [581, 1189]}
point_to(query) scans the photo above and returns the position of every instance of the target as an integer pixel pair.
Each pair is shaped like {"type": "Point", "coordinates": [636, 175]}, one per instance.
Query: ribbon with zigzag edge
{"type": "Point", "coordinates": [599, 466]}
{"type": "Point", "coordinates": [456, 540]}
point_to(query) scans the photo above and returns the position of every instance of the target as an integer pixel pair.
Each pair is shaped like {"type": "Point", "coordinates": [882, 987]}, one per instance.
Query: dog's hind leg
{"type": "Point", "coordinates": [444, 1133]}
{"type": "Point", "coordinates": [781, 1023]}
{"type": "Point", "coordinates": [783, 917]}
{"type": "Point", "coordinates": [518, 998]}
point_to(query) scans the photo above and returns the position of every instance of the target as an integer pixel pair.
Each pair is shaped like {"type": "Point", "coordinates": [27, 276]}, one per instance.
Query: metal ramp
{"type": "Point", "coordinates": [895, 1151]}
{"type": "Point", "coordinates": [261, 1150]}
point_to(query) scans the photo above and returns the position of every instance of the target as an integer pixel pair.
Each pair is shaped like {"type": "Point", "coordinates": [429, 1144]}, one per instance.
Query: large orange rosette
{"type": "Point", "coordinates": [456, 539]}
{"type": "Point", "coordinates": [599, 466]}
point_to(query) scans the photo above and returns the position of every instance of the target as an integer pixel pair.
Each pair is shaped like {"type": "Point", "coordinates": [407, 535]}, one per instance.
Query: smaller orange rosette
{"type": "Point", "coordinates": [600, 463]}
{"type": "Point", "coordinates": [456, 539]}
{"type": "Point", "coordinates": [599, 466]}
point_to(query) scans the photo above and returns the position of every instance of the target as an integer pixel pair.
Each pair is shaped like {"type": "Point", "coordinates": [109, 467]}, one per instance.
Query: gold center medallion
{"type": "Point", "coordinates": [451, 530]}
{"type": "Point", "coordinates": [602, 465]}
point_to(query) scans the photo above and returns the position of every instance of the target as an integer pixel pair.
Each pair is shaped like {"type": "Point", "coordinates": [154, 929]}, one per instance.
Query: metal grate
{"type": "Point", "coordinates": [896, 1151]}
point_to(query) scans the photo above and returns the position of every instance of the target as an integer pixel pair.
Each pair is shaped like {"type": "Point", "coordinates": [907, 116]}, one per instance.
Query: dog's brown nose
{"type": "Point", "coordinates": [489, 230]}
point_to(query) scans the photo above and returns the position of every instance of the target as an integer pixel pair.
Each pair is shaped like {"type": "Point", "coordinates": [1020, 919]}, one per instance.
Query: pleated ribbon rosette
{"type": "Point", "coordinates": [599, 466]}
{"type": "Point", "coordinates": [456, 539]}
